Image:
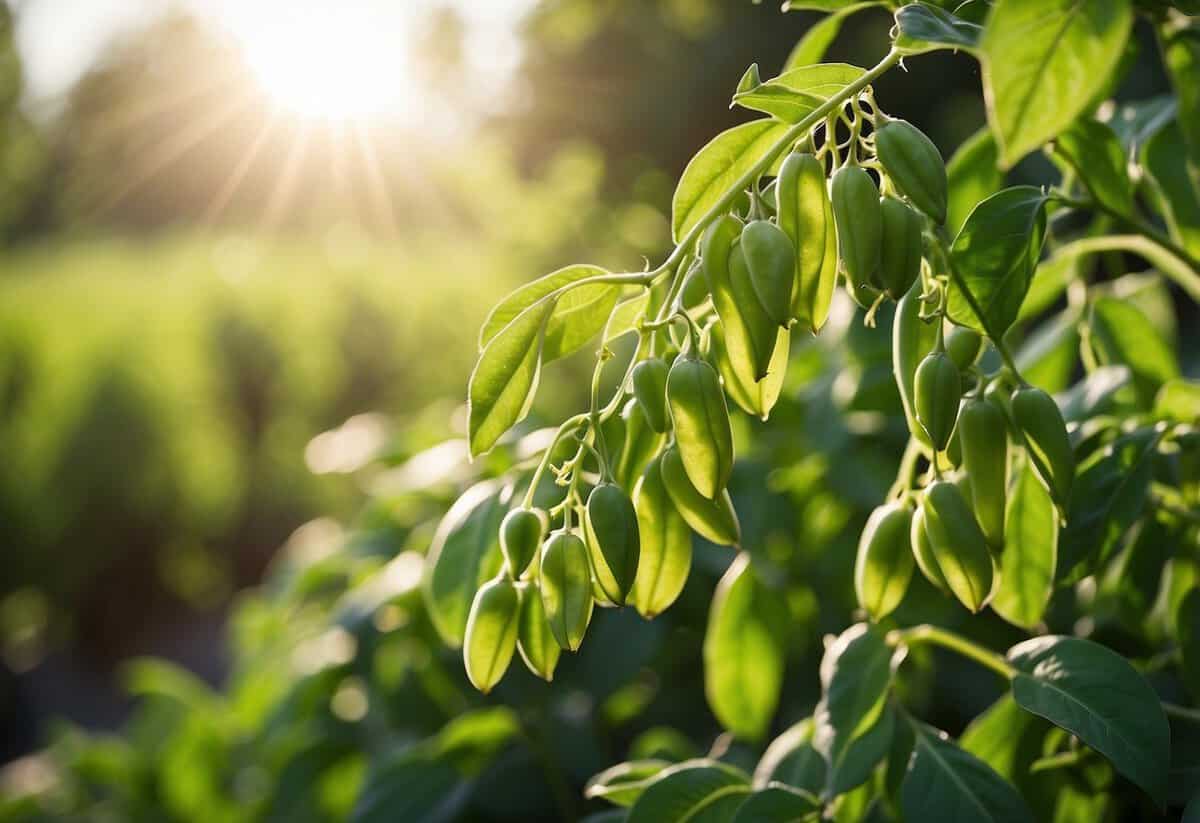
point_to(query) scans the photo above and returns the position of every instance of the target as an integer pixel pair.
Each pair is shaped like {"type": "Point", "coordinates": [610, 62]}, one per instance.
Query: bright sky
{"type": "Point", "coordinates": [323, 58]}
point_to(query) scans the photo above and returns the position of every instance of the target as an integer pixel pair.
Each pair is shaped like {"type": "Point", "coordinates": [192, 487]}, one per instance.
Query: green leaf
{"type": "Point", "coordinates": [1178, 400]}
{"type": "Point", "coordinates": [1172, 184]}
{"type": "Point", "coordinates": [426, 781]}
{"type": "Point", "coordinates": [1094, 153]}
{"type": "Point", "coordinates": [1050, 280]}
{"type": "Point", "coordinates": [713, 171]}
{"type": "Point", "coordinates": [973, 176]}
{"type": "Point", "coordinates": [856, 673]}
{"type": "Point", "coordinates": [1181, 54]}
{"type": "Point", "coordinates": [464, 554]}
{"type": "Point", "coordinates": [859, 759]}
{"type": "Point", "coordinates": [921, 27]}
{"type": "Point", "coordinates": [1187, 629]}
{"type": "Point", "coordinates": [1006, 738]}
{"type": "Point", "coordinates": [811, 48]}
{"type": "Point", "coordinates": [505, 378]}
{"type": "Point", "coordinates": [696, 791]}
{"type": "Point", "coordinates": [1108, 496]}
{"type": "Point", "coordinates": [1135, 123]}
{"type": "Point", "coordinates": [624, 783]}
{"type": "Point", "coordinates": [1030, 552]}
{"type": "Point", "coordinates": [796, 93]}
{"type": "Point", "coordinates": [994, 256]}
{"type": "Point", "coordinates": [743, 650]}
{"type": "Point", "coordinates": [1094, 394]}
{"type": "Point", "coordinates": [1043, 62]}
{"type": "Point", "coordinates": [1120, 334]}
{"type": "Point", "coordinates": [791, 759]}
{"type": "Point", "coordinates": [778, 804]}
{"type": "Point", "coordinates": [1185, 758]}
{"type": "Point", "coordinates": [579, 315]}
{"type": "Point", "coordinates": [1048, 357]}
{"type": "Point", "coordinates": [625, 316]}
{"type": "Point", "coordinates": [1096, 695]}
{"type": "Point", "coordinates": [946, 783]}
{"type": "Point", "coordinates": [518, 301]}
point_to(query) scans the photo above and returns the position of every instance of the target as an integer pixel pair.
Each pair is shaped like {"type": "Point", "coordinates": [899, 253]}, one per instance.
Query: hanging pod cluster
{"type": "Point", "coordinates": [653, 464]}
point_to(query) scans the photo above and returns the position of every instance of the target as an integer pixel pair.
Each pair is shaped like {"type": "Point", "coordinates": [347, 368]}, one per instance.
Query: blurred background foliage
{"type": "Point", "coordinates": [223, 328]}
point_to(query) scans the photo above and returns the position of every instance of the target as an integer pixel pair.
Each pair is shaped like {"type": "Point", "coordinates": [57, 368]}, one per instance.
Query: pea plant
{"type": "Point", "coordinates": [1020, 484]}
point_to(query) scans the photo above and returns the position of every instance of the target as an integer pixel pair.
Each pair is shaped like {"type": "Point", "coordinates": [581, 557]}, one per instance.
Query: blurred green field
{"type": "Point", "coordinates": [159, 393]}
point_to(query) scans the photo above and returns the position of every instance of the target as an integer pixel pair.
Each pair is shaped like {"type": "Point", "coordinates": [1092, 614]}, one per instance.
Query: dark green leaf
{"type": "Point", "coordinates": [1109, 495]}
{"type": "Point", "coordinates": [1096, 695]}
{"type": "Point", "coordinates": [1181, 54]}
{"type": "Point", "coordinates": [778, 804]}
{"type": "Point", "coordinates": [796, 93]}
{"type": "Point", "coordinates": [1030, 552]}
{"type": "Point", "coordinates": [712, 172]}
{"type": "Point", "coordinates": [505, 378]}
{"type": "Point", "coordinates": [624, 783]}
{"type": "Point", "coordinates": [1095, 154]}
{"type": "Point", "coordinates": [860, 758]}
{"type": "Point", "coordinates": [1187, 629]}
{"type": "Point", "coordinates": [1185, 758]}
{"type": "Point", "coordinates": [973, 176]}
{"type": "Point", "coordinates": [791, 759]}
{"type": "Point", "coordinates": [856, 672]}
{"type": "Point", "coordinates": [946, 783]}
{"type": "Point", "coordinates": [1135, 123]}
{"type": "Point", "coordinates": [743, 650]}
{"type": "Point", "coordinates": [1172, 182]}
{"type": "Point", "coordinates": [697, 791]}
{"type": "Point", "coordinates": [921, 27]}
{"type": "Point", "coordinates": [994, 256]}
{"type": "Point", "coordinates": [465, 554]}
{"type": "Point", "coordinates": [1044, 61]}
{"type": "Point", "coordinates": [1095, 393]}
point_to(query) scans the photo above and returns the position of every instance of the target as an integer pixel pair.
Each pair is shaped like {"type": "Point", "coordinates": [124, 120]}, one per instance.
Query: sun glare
{"type": "Point", "coordinates": [334, 62]}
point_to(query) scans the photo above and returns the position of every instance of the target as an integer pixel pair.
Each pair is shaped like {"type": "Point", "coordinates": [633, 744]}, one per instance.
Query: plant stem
{"type": "Point", "coordinates": [568, 425]}
{"type": "Point", "coordinates": [1167, 262]}
{"type": "Point", "coordinates": [790, 136]}
{"type": "Point", "coordinates": [940, 637]}
{"type": "Point", "coordinates": [1182, 712]}
{"type": "Point", "coordinates": [908, 462]}
{"type": "Point", "coordinates": [1137, 225]}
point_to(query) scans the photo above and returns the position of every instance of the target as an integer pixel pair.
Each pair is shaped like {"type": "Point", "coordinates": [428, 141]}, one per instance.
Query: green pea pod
{"type": "Point", "coordinates": [1049, 448]}
{"type": "Point", "coordinates": [566, 584]}
{"type": "Point", "coordinates": [748, 329]}
{"type": "Point", "coordinates": [666, 556]}
{"type": "Point", "coordinates": [754, 398]}
{"type": "Point", "coordinates": [641, 443]}
{"type": "Point", "coordinates": [771, 261]}
{"type": "Point", "coordinates": [958, 544]}
{"type": "Point", "coordinates": [701, 419]}
{"type": "Point", "coordinates": [964, 346]}
{"type": "Point", "coordinates": [923, 552]}
{"type": "Point", "coordinates": [912, 339]}
{"type": "Point", "coordinates": [983, 433]}
{"type": "Point", "coordinates": [803, 209]}
{"type": "Point", "coordinates": [954, 448]}
{"type": "Point", "coordinates": [613, 431]}
{"type": "Point", "coordinates": [884, 564]}
{"type": "Point", "coordinates": [900, 247]}
{"type": "Point", "coordinates": [535, 640]}
{"type": "Point", "coordinates": [714, 520]}
{"type": "Point", "coordinates": [914, 165]}
{"type": "Point", "coordinates": [611, 532]}
{"type": "Point", "coordinates": [937, 390]}
{"type": "Point", "coordinates": [521, 534]}
{"type": "Point", "coordinates": [859, 224]}
{"type": "Point", "coordinates": [649, 380]}
{"type": "Point", "coordinates": [694, 290]}
{"type": "Point", "coordinates": [491, 636]}
{"type": "Point", "coordinates": [761, 330]}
